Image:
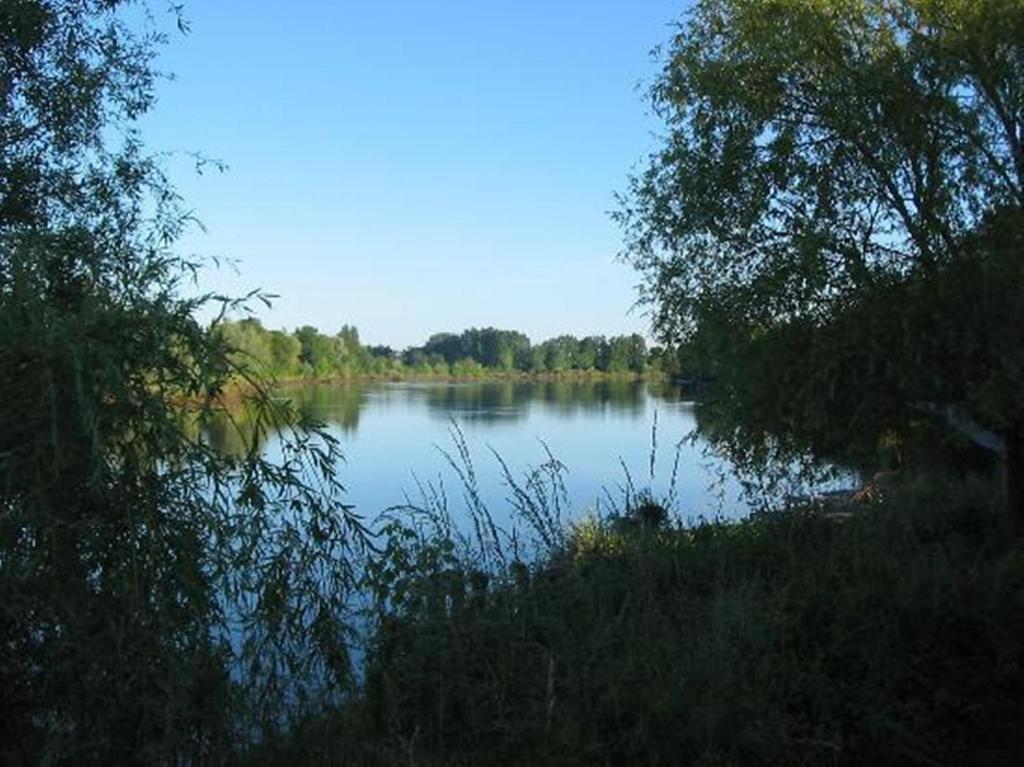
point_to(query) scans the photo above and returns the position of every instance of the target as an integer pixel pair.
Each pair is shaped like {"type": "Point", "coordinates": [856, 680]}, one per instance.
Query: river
{"type": "Point", "coordinates": [395, 435]}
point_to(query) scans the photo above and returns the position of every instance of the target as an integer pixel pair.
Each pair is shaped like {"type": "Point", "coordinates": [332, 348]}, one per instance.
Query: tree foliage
{"type": "Point", "coordinates": [832, 223]}
{"type": "Point", "coordinates": [159, 601]}
{"type": "Point", "coordinates": [308, 353]}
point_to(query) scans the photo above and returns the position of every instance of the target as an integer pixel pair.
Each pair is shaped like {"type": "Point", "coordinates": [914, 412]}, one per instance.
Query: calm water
{"type": "Point", "coordinates": [394, 433]}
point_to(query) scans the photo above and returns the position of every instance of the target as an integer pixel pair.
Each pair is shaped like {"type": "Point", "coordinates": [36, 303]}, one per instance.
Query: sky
{"type": "Point", "coordinates": [415, 167]}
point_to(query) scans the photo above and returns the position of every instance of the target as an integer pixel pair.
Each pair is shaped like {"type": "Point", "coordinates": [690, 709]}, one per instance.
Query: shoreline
{"type": "Point", "coordinates": [490, 377]}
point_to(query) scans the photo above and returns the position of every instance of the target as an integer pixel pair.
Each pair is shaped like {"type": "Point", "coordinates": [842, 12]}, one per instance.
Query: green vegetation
{"type": "Point", "coordinates": [893, 637]}
{"type": "Point", "coordinates": [160, 602]}
{"type": "Point", "coordinates": [474, 353]}
{"type": "Point", "coordinates": [832, 227]}
{"type": "Point", "coordinates": [832, 232]}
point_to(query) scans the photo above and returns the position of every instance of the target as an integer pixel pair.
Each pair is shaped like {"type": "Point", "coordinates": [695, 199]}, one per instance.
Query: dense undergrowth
{"type": "Point", "coordinates": [893, 637]}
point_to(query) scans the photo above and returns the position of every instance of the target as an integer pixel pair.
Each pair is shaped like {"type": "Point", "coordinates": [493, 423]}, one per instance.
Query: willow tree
{"type": "Point", "coordinates": [159, 602]}
{"type": "Point", "coordinates": [834, 214]}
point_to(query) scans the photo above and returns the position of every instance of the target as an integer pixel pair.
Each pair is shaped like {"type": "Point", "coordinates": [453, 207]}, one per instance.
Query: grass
{"type": "Point", "coordinates": [893, 637]}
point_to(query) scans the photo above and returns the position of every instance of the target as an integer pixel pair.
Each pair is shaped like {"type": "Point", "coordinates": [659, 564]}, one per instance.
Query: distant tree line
{"type": "Point", "coordinates": [308, 353]}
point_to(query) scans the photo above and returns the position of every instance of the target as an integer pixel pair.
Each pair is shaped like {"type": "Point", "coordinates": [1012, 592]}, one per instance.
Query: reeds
{"type": "Point", "coordinates": [895, 636]}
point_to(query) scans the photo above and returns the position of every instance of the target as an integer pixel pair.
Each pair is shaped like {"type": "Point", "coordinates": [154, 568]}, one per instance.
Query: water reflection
{"type": "Point", "coordinates": [233, 431]}
{"type": "Point", "coordinates": [338, 406]}
{"type": "Point", "coordinates": [508, 401]}
{"type": "Point", "coordinates": [391, 434]}
{"type": "Point", "coordinates": [574, 397]}
{"type": "Point", "coordinates": [486, 402]}
{"type": "Point", "coordinates": [226, 435]}
{"type": "Point", "coordinates": [394, 435]}
{"type": "Point", "coordinates": [489, 402]}
{"type": "Point", "coordinates": [494, 402]}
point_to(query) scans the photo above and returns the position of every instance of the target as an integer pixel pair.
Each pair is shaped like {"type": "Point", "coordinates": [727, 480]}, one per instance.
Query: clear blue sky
{"type": "Point", "coordinates": [411, 167]}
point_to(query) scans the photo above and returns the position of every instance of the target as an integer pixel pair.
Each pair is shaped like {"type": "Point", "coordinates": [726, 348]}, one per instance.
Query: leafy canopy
{"type": "Point", "coordinates": [833, 217]}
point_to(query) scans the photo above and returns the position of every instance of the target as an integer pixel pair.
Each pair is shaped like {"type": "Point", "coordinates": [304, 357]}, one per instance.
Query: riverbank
{"type": "Point", "coordinates": [895, 636]}
{"type": "Point", "coordinates": [487, 377]}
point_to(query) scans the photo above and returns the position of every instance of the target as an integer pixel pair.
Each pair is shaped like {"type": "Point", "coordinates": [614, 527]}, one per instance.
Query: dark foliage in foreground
{"type": "Point", "coordinates": [894, 637]}
{"type": "Point", "coordinates": [160, 602]}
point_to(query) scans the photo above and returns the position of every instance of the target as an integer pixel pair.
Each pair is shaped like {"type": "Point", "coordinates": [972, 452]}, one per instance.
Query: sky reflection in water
{"type": "Point", "coordinates": [393, 433]}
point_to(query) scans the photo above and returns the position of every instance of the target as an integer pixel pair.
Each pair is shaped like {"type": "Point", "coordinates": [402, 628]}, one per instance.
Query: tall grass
{"type": "Point", "coordinates": [895, 636]}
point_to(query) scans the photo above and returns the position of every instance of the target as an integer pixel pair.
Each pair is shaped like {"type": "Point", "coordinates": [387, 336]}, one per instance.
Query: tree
{"type": "Point", "coordinates": [559, 353]}
{"type": "Point", "coordinates": [447, 345]}
{"type": "Point", "coordinates": [588, 352]}
{"type": "Point", "coordinates": [306, 336]}
{"type": "Point", "coordinates": [535, 359]}
{"type": "Point", "coordinates": [626, 353]}
{"type": "Point", "coordinates": [284, 353]}
{"type": "Point", "coordinates": [158, 599]}
{"type": "Point", "coordinates": [841, 183]}
{"type": "Point", "coordinates": [636, 354]}
{"type": "Point", "coordinates": [250, 342]}
{"type": "Point", "coordinates": [503, 348]}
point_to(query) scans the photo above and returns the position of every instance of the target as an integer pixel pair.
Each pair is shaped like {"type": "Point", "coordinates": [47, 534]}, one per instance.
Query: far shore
{"type": "Point", "coordinates": [488, 377]}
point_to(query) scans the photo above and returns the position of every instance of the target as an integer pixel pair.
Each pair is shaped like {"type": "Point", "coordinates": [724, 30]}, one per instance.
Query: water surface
{"type": "Point", "coordinates": [394, 436]}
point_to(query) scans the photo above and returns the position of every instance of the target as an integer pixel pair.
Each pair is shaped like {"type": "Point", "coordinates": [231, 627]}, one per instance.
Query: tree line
{"type": "Point", "coordinates": [308, 353]}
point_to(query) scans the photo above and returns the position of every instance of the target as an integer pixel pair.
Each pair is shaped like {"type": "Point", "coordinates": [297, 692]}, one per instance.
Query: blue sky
{"type": "Point", "coordinates": [411, 167]}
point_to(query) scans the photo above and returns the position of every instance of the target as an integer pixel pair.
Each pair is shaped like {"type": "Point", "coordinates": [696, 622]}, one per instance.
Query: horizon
{"type": "Point", "coordinates": [404, 168]}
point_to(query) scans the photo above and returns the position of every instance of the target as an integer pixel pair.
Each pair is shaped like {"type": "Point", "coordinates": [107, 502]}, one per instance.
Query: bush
{"type": "Point", "coordinates": [893, 637]}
